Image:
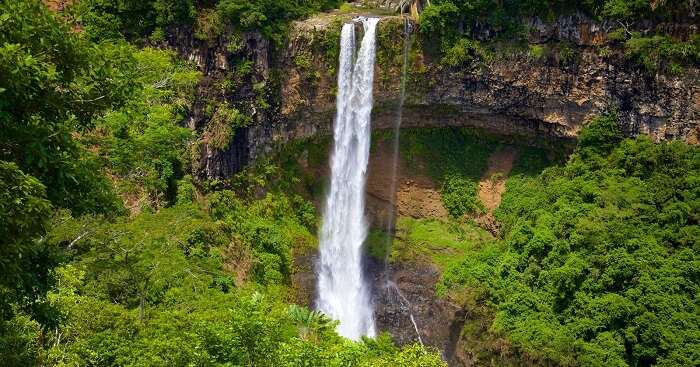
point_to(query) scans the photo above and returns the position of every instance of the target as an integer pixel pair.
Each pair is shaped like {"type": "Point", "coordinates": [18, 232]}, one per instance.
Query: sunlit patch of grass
{"type": "Point", "coordinates": [432, 241]}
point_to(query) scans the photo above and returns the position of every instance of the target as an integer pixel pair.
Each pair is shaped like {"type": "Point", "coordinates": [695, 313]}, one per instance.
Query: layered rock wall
{"type": "Point", "coordinates": [515, 91]}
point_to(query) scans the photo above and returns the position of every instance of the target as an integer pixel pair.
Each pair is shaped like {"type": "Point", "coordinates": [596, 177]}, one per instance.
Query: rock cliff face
{"type": "Point", "coordinates": [236, 74]}
{"type": "Point", "coordinates": [513, 92]}
{"type": "Point", "coordinates": [438, 321]}
{"type": "Point", "coordinates": [516, 91]}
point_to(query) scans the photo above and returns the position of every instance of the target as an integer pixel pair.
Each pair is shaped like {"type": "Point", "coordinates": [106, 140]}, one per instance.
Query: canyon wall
{"type": "Point", "coordinates": [289, 92]}
{"type": "Point", "coordinates": [512, 91]}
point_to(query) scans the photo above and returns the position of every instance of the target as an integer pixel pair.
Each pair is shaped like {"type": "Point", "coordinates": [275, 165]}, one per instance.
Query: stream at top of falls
{"type": "Point", "coordinates": [343, 292]}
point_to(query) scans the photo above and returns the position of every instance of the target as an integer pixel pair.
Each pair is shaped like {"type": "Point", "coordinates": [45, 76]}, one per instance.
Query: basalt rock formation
{"type": "Point", "coordinates": [513, 91]}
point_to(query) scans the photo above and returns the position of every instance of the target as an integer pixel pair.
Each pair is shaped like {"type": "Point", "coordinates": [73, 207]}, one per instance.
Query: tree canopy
{"type": "Point", "coordinates": [599, 262]}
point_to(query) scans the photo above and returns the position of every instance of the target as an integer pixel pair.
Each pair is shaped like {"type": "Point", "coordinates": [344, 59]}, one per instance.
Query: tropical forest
{"type": "Point", "coordinates": [331, 183]}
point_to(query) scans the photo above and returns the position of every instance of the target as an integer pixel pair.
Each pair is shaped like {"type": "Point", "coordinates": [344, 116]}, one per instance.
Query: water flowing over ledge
{"type": "Point", "coordinates": [343, 293]}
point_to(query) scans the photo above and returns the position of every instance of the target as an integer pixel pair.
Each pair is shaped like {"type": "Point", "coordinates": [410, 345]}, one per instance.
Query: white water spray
{"type": "Point", "coordinates": [343, 293]}
{"type": "Point", "coordinates": [391, 286]}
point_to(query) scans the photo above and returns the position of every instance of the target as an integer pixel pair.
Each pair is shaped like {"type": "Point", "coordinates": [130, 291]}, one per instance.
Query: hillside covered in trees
{"type": "Point", "coordinates": [117, 250]}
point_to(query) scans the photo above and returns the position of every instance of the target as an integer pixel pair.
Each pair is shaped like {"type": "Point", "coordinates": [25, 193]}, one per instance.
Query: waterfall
{"type": "Point", "coordinates": [391, 286]}
{"type": "Point", "coordinates": [343, 293]}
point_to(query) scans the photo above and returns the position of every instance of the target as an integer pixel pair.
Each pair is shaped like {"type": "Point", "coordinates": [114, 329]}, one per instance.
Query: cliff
{"type": "Point", "coordinates": [566, 73]}
{"type": "Point", "coordinates": [513, 91]}
{"type": "Point", "coordinates": [545, 90]}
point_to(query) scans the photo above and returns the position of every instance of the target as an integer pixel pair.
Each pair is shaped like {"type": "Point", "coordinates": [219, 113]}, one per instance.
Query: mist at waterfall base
{"type": "Point", "coordinates": [343, 293]}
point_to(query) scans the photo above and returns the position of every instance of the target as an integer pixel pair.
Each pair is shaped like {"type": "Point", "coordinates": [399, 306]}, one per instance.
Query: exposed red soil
{"type": "Point", "coordinates": [416, 194]}
{"type": "Point", "coordinates": [493, 184]}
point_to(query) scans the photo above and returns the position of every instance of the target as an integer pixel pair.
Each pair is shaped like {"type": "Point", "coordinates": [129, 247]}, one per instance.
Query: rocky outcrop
{"type": "Point", "coordinates": [568, 74]}
{"type": "Point", "coordinates": [406, 305]}
{"type": "Point", "coordinates": [512, 92]}
{"type": "Point", "coordinates": [401, 292]}
{"type": "Point", "coordinates": [236, 74]}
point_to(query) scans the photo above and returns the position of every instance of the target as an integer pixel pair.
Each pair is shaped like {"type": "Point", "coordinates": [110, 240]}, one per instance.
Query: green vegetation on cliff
{"type": "Point", "coordinates": [142, 142]}
{"type": "Point", "coordinates": [599, 261]}
{"type": "Point", "coordinates": [455, 158]}
{"type": "Point", "coordinates": [455, 22]}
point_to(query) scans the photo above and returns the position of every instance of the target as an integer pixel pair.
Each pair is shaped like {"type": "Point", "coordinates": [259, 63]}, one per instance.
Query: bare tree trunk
{"type": "Point", "coordinates": [142, 305]}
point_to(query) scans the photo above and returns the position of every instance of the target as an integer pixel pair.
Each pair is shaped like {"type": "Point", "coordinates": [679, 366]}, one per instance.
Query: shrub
{"type": "Point", "coordinates": [440, 20]}
{"type": "Point", "coordinates": [108, 19]}
{"type": "Point", "coordinates": [601, 134]}
{"type": "Point", "coordinates": [464, 51]}
{"type": "Point", "coordinates": [459, 195]}
{"type": "Point", "coordinates": [143, 141]}
{"type": "Point", "coordinates": [537, 51]}
{"type": "Point", "coordinates": [270, 17]}
{"type": "Point", "coordinates": [662, 53]}
{"type": "Point", "coordinates": [222, 126]}
{"type": "Point", "coordinates": [208, 26]}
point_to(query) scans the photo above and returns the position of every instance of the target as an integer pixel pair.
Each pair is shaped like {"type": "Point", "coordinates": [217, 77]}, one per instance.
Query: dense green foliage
{"type": "Point", "coordinates": [185, 286]}
{"type": "Point", "coordinates": [142, 141]}
{"type": "Point", "coordinates": [25, 260]}
{"type": "Point", "coordinates": [108, 19]}
{"type": "Point", "coordinates": [269, 16]}
{"type": "Point", "coordinates": [25, 211]}
{"type": "Point", "coordinates": [114, 19]}
{"type": "Point", "coordinates": [453, 22]}
{"type": "Point", "coordinates": [444, 17]}
{"type": "Point", "coordinates": [661, 52]}
{"type": "Point", "coordinates": [189, 278]}
{"type": "Point", "coordinates": [600, 258]}
{"type": "Point", "coordinates": [52, 86]}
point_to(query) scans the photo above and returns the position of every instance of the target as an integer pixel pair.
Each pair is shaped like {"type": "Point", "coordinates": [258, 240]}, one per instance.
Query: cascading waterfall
{"type": "Point", "coordinates": [343, 293]}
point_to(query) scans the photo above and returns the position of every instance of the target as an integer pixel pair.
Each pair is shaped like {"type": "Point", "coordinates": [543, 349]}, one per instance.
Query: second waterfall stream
{"type": "Point", "coordinates": [343, 293]}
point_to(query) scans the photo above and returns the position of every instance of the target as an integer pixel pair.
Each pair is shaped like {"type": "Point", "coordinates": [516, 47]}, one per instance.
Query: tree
{"type": "Point", "coordinates": [597, 257]}
{"type": "Point", "coordinates": [51, 86]}
{"type": "Point", "coordinates": [24, 262]}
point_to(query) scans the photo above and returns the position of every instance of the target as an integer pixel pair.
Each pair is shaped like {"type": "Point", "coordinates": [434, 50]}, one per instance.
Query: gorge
{"type": "Point", "coordinates": [349, 183]}
{"type": "Point", "coordinates": [523, 97]}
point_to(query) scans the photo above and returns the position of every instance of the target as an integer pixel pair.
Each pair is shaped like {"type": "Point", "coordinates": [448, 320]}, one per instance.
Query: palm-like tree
{"type": "Point", "coordinates": [310, 322]}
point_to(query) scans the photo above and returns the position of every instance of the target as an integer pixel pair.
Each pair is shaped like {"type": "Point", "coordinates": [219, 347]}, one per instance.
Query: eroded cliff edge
{"type": "Point", "coordinates": [288, 89]}
{"type": "Point", "coordinates": [513, 92]}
